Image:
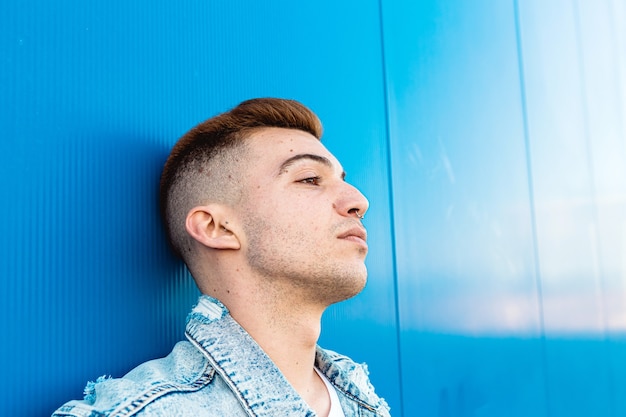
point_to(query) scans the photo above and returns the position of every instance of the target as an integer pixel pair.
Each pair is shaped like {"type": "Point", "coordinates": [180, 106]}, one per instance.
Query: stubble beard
{"type": "Point", "coordinates": [314, 278]}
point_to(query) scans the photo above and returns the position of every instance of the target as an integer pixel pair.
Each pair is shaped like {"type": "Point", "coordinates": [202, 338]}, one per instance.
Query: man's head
{"type": "Point", "coordinates": [254, 193]}
{"type": "Point", "coordinates": [205, 165]}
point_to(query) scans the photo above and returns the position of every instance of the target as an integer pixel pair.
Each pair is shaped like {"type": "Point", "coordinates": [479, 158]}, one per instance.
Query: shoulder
{"type": "Point", "coordinates": [351, 378]}
{"type": "Point", "coordinates": [184, 370]}
{"type": "Point", "coordinates": [342, 368]}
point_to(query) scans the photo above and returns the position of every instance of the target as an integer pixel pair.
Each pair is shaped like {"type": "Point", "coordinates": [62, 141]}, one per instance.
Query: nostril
{"type": "Point", "coordinates": [356, 211]}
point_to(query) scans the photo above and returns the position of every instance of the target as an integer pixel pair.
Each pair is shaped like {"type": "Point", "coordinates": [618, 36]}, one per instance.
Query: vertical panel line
{"type": "Point", "coordinates": [391, 202]}
{"type": "Point", "coordinates": [616, 63]}
{"type": "Point", "coordinates": [595, 231]}
{"type": "Point", "coordinates": [532, 205]}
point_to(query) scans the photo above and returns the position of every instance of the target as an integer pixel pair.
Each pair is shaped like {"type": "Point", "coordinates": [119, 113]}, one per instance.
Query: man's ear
{"type": "Point", "coordinates": [208, 225]}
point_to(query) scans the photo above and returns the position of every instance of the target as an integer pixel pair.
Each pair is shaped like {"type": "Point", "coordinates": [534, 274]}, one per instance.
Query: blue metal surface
{"type": "Point", "coordinates": [469, 308]}
{"type": "Point", "coordinates": [577, 162]}
{"type": "Point", "coordinates": [508, 159]}
{"type": "Point", "coordinates": [489, 137]}
{"type": "Point", "coordinates": [93, 97]}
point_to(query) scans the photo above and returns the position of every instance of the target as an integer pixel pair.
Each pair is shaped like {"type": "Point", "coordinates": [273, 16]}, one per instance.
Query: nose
{"type": "Point", "coordinates": [352, 202]}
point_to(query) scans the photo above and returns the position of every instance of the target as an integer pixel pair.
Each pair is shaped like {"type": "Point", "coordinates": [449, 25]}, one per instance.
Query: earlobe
{"type": "Point", "coordinates": [206, 225]}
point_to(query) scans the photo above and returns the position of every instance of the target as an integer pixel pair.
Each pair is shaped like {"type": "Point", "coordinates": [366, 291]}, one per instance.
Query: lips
{"type": "Point", "coordinates": [357, 234]}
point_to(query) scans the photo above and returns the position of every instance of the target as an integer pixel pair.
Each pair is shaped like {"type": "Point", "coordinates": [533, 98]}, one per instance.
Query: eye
{"type": "Point", "coordinates": [311, 180]}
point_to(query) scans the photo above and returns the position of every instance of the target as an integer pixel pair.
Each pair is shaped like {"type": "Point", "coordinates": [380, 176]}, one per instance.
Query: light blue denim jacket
{"type": "Point", "coordinates": [221, 371]}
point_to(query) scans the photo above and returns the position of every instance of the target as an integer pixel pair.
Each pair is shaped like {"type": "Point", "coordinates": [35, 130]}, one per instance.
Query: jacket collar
{"type": "Point", "coordinates": [259, 385]}
{"type": "Point", "coordinates": [253, 377]}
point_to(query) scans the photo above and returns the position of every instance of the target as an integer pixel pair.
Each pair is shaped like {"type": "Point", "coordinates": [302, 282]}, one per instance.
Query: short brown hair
{"type": "Point", "coordinates": [194, 171]}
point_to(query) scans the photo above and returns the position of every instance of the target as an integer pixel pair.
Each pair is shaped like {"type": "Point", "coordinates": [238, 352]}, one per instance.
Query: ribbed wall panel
{"type": "Point", "coordinates": [96, 94]}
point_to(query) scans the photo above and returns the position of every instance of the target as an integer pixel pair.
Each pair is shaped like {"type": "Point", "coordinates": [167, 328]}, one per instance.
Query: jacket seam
{"type": "Point", "coordinates": [234, 389]}
{"type": "Point", "coordinates": [154, 393]}
{"type": "Point", "coordinates": [358, 400]}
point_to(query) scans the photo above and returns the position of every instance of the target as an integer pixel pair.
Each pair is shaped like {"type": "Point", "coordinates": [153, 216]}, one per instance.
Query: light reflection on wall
{"type": "Point", "coordinates": [477, 173]}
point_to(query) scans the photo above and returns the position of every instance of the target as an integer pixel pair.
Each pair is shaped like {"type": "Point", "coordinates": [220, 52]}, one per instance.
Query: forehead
{"type": "Point", "coordinates": [271, 147]}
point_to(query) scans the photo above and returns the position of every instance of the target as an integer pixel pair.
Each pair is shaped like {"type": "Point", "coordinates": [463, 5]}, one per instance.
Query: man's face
{"type": "Point", "coordinates": [301, 228]}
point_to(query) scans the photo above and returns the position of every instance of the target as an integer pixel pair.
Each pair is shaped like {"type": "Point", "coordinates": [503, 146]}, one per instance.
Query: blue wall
{"type": "Point", "coordinates": [489, 137]}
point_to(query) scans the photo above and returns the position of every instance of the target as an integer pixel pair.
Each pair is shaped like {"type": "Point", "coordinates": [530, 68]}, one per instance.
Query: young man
{"type": "Point", "coordinates": [259, 211]}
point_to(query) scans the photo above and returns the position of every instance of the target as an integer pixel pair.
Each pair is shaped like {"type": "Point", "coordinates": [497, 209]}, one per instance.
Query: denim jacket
{"type": "Point", "coordinates": [221, 371]}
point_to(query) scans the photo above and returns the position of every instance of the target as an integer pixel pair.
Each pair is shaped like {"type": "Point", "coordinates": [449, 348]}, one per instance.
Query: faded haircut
{"type": "Point", "coordinates": [204, 166]}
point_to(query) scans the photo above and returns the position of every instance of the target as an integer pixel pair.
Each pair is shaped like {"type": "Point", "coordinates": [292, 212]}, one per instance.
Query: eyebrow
{"type": "Point", "coordinates": [304, 156]}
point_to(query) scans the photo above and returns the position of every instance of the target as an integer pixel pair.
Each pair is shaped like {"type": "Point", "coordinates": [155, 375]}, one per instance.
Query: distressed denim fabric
{"type": "Point", "coordinates": [221, 371]}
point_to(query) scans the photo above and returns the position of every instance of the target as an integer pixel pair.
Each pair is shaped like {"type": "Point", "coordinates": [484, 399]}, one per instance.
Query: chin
{"type": "Point", "coordinates": [351, 287]}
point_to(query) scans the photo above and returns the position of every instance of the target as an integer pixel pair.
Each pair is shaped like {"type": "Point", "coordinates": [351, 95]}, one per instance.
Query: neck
{"type": "Point", "coordinates": [289, 337]}
{"type": "Point", "coordinates": [284, 322]}
{"type": "Point", "coordinates": [286, 332]}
